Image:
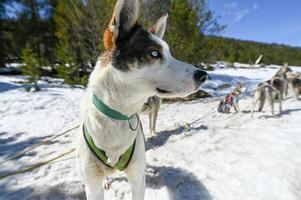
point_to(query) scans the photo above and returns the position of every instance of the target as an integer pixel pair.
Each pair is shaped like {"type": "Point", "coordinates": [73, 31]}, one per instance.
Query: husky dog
{"type": "Point", "coordinates": [296, 84]}
{"type": "Point", "coordinates": [281, 75]}
{"type": "Point", "coordinates": [136, 65]}
{"type": "Point", "coordinates": [273, 89]}
{"type": "Point", "coordinates": [287, 75]}
{"type": "Point", "coordinates": [231, 100]}
{"type": "Point", "coordinates": [294, 81]}
{"type": "Point", "coordinates": [152, 106]}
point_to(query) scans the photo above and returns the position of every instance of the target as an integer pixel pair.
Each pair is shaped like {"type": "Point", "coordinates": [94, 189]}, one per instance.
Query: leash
{"type": "Point", "coordinates": [34, 146]}
{"type": "Point", "coordinates": [281, 79]}
{"type": "Point", "coordinates": [208, 114]}
{"type": "Point", "coordinates": [35, 166]}
{"type": "Point", "coordinates": [266, 85]}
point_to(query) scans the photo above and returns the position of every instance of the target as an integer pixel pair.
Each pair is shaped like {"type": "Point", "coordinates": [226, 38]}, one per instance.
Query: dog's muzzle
{"type": "Point", "coordinates": [200, 77]}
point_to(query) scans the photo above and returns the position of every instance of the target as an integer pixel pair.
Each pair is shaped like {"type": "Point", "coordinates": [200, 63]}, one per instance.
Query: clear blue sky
{"type": "Point", "coordinates": [271, 21]}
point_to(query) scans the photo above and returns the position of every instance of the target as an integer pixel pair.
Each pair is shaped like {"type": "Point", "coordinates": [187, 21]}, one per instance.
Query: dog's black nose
{"type": "Point", "coordinates": [200, 76]}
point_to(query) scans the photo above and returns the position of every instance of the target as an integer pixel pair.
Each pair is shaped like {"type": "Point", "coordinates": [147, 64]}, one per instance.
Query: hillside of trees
{"type": "Point", "coordinates": [234, 50]}
{"type": "Point", "coordinates": [66, 36]}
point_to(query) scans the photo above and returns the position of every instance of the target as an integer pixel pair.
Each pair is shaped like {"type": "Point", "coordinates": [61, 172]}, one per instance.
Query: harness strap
{"type": "Point", "coordinates": [124, 159]}
{"type": "Point", "coordinates": [229, 99]}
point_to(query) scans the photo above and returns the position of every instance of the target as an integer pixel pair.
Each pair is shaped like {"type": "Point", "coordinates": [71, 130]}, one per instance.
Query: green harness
{"type": "Point", "coordinates": [125, 158]}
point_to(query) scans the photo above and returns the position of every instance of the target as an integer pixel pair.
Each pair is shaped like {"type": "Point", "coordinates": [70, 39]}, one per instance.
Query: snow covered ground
{"type": "Point", "coordinates": [219, 157]}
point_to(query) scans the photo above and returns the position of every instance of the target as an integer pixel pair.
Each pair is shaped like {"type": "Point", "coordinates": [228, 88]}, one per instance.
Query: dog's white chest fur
{"type": "Point", "coordinates": [112, 136]}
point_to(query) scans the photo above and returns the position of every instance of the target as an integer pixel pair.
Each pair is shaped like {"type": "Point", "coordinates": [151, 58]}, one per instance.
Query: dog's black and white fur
{"type": "Point", "coordinates": [137, 64]}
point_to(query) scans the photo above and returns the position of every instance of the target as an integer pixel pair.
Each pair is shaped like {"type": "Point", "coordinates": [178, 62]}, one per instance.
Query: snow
{"type": "Point", "coordinates": [219, 156]}
{"type": "Point", "coordinates": [15, 65]}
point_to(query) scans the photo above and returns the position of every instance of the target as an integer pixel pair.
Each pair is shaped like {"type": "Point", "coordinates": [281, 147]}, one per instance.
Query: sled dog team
{"type": "Point", "coordinates": [274, 89]}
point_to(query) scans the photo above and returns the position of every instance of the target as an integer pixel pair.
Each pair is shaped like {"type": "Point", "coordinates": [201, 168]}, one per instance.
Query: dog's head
{"type": "Point", "coordinates": [141, 57]}
{"type": "Point", "coordinates": [283, 71]}
{"type": "Point", "coordinates": [241, 88]}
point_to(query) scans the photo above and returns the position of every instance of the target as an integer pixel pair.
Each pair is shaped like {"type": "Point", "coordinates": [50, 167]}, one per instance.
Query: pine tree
{"type": "Point", "coordinates": [31, 23]}
{"type": "Point", "coordinates": [2, 45]}
{"type": "Point", "coordinates": [68, 68]}
{"type": "Point", "coordinates": [183, 35]}
{"type": "Point", "coordinates": [80, 25]}
{"type": "Point", "coordinates": [188, 22]}
{"type": "Point", "coordinates": [153, 9]}
{"type": "Point", "coordinates": [32, 67]}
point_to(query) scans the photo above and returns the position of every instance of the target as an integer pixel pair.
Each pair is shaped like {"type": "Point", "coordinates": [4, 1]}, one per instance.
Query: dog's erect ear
{"type": "Point", "coordinates": [125, 16]}
{"type": "Point", "coordinates": [160, 26]}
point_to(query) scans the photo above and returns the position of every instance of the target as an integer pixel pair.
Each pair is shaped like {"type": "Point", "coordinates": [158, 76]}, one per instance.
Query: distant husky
{"type": "Point", "coordinates": [152, 106]}
{"type": "Point", "coordinates": [294, 80]}
{"type": "Point", "coordinates": [273, 89]}
{"type": "Point", "coordinates": [231, 100]}
{"type": "Point", "coordinates": [289, 76]}
{"type": "Point", "coordinates": [137, 64]}
{"type": "Point", "coordinates": [296, 85]}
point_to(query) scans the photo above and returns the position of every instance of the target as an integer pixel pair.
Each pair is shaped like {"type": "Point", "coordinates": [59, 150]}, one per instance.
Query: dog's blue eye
{"type": "Point", "coordinates": [155, 54]}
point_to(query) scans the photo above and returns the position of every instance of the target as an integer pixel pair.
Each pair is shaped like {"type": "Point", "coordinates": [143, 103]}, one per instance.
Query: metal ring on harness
{"type": "Point", "coordinates": [138, 122]}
